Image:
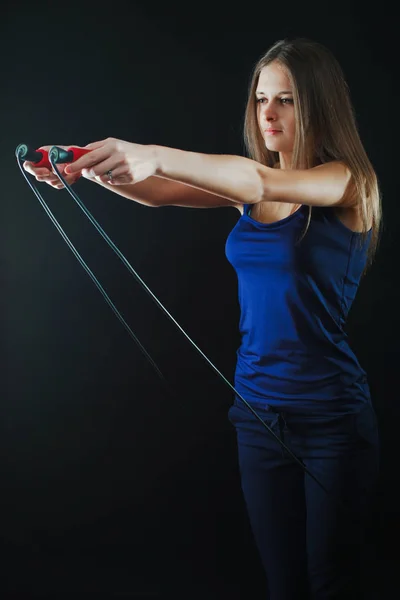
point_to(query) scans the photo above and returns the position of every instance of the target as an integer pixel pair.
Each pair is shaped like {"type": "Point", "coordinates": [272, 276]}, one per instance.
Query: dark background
{"type": "Point", "coordinates": [108, 485]}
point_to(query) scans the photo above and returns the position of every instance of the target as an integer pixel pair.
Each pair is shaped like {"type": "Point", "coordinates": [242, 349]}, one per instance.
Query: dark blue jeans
{"type": "Point", "coordinates": [309, 544]}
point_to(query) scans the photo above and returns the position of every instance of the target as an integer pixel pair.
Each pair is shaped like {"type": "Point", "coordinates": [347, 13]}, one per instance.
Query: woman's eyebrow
{"type": "Point", "coordinates": [282, 92]}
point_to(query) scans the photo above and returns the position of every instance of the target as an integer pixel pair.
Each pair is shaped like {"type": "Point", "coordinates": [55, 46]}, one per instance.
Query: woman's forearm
{"type": "Point", "coordinates": [160, 191]}
{"type": "Point", "coordinates": [153, 191]}
{"type": "Point", "coordinates": [236, 178]}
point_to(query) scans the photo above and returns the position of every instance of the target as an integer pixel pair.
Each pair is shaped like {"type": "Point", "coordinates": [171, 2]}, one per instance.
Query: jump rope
{"type": "Point", "coordinates": [56, 155]}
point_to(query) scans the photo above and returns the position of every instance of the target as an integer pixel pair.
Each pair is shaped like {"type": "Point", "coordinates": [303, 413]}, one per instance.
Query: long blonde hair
{"type": "Point", "coordinates": [326, 127]}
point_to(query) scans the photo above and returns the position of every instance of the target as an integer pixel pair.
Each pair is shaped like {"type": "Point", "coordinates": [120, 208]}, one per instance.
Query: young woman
{"type": "Point", "coordinates": [309, 227]}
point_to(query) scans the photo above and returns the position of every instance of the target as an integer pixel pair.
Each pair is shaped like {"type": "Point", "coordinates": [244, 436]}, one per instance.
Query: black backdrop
{"type": "Point", "coordinates": [107, 485]}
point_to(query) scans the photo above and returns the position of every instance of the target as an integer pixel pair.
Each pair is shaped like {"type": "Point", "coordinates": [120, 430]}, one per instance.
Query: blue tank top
{"type": "Point", "coordinates": [294, 300]}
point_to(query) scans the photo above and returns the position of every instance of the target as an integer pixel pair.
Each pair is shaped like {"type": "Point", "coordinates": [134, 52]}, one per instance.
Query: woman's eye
{"type": "Point", "coordinates": [283, 100]}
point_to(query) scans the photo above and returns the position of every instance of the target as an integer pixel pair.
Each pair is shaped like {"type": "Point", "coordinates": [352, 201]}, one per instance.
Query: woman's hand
{"type": "Point", "coordinates": [128, 162]}
{"type": "Point", "coordinates": [49, 176]}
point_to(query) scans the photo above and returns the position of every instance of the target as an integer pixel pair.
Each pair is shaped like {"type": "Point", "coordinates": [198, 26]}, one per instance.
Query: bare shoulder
{"type": "Point", "coordinates": [325, 184]}
{"type": "Point", "coordinates": [349, 211]}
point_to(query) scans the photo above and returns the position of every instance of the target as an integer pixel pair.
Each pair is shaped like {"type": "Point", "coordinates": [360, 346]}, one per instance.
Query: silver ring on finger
{"type": "Point", "coordinates": [109, 175]}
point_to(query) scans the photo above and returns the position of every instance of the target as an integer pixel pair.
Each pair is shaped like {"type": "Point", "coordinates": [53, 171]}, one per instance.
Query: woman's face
{"type": "Point", "coordinates": [275, 110]}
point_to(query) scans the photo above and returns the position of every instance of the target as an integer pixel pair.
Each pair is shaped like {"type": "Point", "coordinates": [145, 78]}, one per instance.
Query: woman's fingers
{"type": "Point", "coordinates": [42, 174]}
{"type": "Point", "coordinates": [95, 145]}
{"type": "Point", "coordinates": [37, 171]}
{"type": "Point", "coordinates": [91, 160]}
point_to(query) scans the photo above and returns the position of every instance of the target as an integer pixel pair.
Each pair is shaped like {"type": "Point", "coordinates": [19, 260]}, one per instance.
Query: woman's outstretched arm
{"type": "Point", "coordinates": [238, 179]}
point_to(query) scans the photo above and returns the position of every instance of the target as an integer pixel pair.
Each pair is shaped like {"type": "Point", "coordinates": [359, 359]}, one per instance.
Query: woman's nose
{"type": "Point", "coordinates": [269, 112]}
